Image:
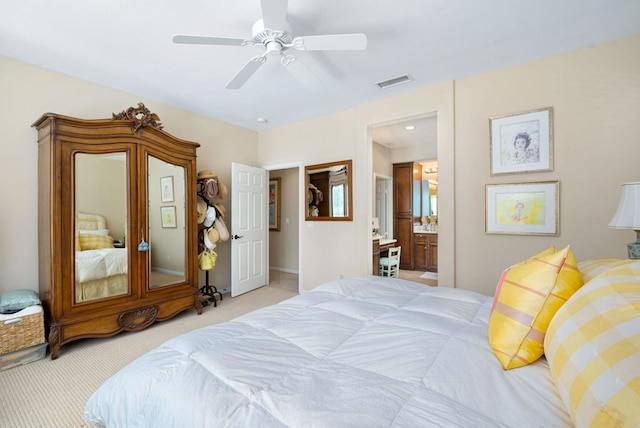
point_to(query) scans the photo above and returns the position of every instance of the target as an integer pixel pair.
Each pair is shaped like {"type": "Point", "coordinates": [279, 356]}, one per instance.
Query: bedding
{"type": "Point", "coordinates": [361, 352]}
{"type": "Point", "coordinates": [101, 273]}
{"type": "Point", "coordinates": [101, 263]}
{"type": "Point", "coordinates": [101, 269]}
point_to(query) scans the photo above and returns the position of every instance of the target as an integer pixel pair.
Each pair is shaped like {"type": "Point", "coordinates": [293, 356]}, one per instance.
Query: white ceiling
{"type": "Point", "coordinates": [127, 45]}
{"type": "Point", "coordinates": [396, 135]}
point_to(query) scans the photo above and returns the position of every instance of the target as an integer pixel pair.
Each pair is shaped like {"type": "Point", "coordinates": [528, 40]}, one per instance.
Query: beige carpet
{"type": "Point", "coordinates": [48, 393]}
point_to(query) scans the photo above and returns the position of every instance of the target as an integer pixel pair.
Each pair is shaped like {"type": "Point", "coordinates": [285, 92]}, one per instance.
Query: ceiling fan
{"type": "Point", "coordinates": [274, 33]}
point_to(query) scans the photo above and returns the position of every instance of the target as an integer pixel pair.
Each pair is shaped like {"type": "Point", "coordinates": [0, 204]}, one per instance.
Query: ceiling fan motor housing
{"type": "Point", "coordinates": [275, 41]}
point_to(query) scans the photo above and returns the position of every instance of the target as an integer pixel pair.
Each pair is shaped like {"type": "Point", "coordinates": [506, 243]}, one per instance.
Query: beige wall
{"type": "Point", "coordinates": [95, 195]}
{"type": "Point", "coordinates": [595, 93]}
{"type": "Point", "coordinates": [28, 92]}
{"type": "Point", "coordinates": [331, 249]}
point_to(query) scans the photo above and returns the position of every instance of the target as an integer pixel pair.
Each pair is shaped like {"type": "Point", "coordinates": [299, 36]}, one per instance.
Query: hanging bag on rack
{"type": "Point", "coordinates": [207, 259]}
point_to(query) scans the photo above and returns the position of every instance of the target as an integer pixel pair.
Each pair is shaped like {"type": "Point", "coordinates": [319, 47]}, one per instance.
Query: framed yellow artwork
{"type": "Point", "coordinates": [522, 208]}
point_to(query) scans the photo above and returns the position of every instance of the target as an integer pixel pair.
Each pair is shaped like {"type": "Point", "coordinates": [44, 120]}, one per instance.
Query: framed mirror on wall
{"type": "Point", "coordinates": [329, 191]}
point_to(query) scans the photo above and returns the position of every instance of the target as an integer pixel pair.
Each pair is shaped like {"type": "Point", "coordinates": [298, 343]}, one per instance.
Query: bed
{"type": "Point", "coordinates": [101, 269]}
{"type": "Point", "coordinates": [361, 352]}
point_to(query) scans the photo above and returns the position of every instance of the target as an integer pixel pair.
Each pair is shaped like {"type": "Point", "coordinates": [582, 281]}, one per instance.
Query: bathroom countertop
{"type": "Point", "coordinates": [383, 240]}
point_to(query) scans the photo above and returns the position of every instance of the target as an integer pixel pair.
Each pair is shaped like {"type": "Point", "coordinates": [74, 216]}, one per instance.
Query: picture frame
{"type": "Point", "coordinates": [274, 204]}
{"type": "Point", "coordinates": [168, 215]}
{"type": "Point", "coordinates": [522, 142]}
{"type": "Point", "coordinates": [166, 189]}
{"type": "Point", "coordinates": [523, 208]}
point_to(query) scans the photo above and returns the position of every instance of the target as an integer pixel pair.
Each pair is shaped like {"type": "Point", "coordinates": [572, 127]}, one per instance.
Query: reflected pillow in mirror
{"type": "Point", "coordinates": [93, 241]}
{"type": "Point", "coordinates": [96, 232]}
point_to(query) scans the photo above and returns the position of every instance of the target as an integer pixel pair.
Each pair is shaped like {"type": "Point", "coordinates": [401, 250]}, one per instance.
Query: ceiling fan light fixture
{"type": "Point", "coordinates": [398, 80]}
{"type": "Point", "coordinates": [274, 34]}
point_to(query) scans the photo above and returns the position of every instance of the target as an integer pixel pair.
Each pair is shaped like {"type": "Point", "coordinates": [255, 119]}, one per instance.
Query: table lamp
{"type": "Point", "coordinates": [628, 215]}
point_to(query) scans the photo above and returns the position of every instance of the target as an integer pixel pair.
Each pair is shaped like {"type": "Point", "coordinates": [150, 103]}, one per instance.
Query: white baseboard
{"type": "Point", "coordinates": [285, 270]}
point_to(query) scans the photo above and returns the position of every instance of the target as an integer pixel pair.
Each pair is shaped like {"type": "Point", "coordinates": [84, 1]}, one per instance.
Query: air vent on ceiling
{"type": "Point", "coordinates": [394, 81]}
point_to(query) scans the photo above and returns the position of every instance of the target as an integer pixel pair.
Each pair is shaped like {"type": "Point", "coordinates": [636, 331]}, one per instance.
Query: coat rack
{"type": "Point", "coordinates": [212, 192]}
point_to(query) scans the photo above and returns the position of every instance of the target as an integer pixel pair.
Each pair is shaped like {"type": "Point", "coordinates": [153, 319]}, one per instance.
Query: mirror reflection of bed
{"type": "Point", "coordinates": [101, 269]}
{"type": "Point", "coordinates": [102, 249]}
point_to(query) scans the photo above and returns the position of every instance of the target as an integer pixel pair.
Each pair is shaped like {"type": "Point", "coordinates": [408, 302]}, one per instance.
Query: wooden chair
{"type": "Point", "coordinates": [390, 266]}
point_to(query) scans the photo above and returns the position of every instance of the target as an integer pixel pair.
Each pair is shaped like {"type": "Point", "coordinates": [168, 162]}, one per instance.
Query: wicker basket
{"type": "Point", "coordinates": [18, 331]}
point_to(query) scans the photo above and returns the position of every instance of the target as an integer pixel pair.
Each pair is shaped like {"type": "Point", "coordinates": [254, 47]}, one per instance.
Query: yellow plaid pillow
{"type": "Point", "coordinates": [527, 297]}
{"type": "Point", "coordinates": [593, 349]}
{"type": "Point", "coordinates": [93, 241]}
{"type": "Point", "coordinates": [594, 267]}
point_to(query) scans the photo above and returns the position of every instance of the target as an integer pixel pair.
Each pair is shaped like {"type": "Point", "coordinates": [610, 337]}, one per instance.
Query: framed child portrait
{"type": "Point", "coordinates": [522, 142]}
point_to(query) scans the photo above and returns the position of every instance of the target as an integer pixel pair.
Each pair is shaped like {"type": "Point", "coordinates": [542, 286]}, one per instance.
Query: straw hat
{"type": "Point", "coordinates": [222, 189]}
{"type": "Point", "coordinates": [221, 227]}
{"type": "Point", "coordinates": [205, 173]}
{"type": "Point", "coordinates": [220, 208]}
{"type": "Point", "coordinates": [213, 235]}
{"type": "Point", "coordinates": [207, 242]}
{"type": "Point", "coordinates": [201, 208]}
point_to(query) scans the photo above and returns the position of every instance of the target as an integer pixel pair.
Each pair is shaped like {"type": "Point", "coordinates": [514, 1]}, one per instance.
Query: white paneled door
{"type": "Point", "coordinates": [248, 228]}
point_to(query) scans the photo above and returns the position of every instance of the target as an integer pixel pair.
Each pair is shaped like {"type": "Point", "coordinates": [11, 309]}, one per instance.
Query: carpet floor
{"type": "Point", "coordinates": [48, 393]}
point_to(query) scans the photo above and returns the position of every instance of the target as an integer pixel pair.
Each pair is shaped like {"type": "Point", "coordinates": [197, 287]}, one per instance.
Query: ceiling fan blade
{"type": "Point", "coordinates": [246, 72]}
{"type": "Point", "coordinates": [333, 42]}
{"type": "Point", "coordinates": [274, 14]}
{"type": "Point", "coordinates": [301, 72]}
{"type": "Point", "coordinates": [206, 40]}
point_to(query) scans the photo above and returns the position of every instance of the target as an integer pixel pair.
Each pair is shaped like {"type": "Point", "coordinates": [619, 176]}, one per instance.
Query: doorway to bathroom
{"type": "Point", "coordinates": [411, 140]}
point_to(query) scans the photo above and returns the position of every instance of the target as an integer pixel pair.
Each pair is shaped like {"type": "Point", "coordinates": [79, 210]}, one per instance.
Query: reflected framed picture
{"type": "Point", "coordinates": [168, 217]}
{"type": "Point", "coordinates": [522, 209]}
{"type": "Point", "coordinates": [166, 189]}
{"type": "Point", "coordinates": [522, 142]}
{"type": "Point", "coordinates": [274, 204]}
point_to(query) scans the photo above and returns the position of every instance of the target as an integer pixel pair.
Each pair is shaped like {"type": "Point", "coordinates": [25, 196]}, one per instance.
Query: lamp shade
{"type": "Point", "coordinates": [628, 214]}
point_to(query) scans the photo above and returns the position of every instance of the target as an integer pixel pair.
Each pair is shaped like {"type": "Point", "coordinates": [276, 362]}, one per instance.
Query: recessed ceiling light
{"type": "Point", "coordinates": [409, 127]}
{"type": "Point", "coordinates": [262, 120]}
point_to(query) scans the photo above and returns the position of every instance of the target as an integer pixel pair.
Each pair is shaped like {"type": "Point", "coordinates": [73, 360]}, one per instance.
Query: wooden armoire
{"type": "Point", "coordinates": [117, 224]}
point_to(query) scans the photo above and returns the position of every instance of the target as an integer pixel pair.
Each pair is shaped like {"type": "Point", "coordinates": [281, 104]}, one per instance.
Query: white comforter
{"type": "Point", "coordinates": [96, 264]}
{"type": "Point", "coordinates": [362, 352]}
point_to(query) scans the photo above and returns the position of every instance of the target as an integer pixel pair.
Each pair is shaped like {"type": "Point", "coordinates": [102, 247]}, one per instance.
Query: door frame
{"type": "Point", "coordinates": [301, 215]}
{"type": "Point", "coordinates": [371, 180]}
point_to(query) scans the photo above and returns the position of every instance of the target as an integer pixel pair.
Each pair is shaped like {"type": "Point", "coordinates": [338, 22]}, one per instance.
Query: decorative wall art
{"type": "Point", "coordinates": [274, 204]}
{"type": "Point", "coordinates": [166, 188]}
{"type": "Point", "coordinates": [522, 142]}
{"type": "Point", "coordinates": [168, 217]}
{"type": "Point", "coordinates": [522, 209]}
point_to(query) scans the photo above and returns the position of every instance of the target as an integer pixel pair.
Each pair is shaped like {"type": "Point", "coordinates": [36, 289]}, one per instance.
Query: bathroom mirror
{"type": "Point", "coordinates": [329, 195]}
